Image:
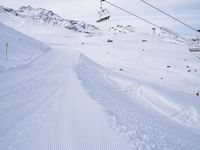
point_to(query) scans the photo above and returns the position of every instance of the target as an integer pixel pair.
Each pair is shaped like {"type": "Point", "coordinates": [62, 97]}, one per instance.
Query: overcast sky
{"type": "Point", "coordinates": [88, 8]}
{"type": "Point", "coordinates": [84, 9]}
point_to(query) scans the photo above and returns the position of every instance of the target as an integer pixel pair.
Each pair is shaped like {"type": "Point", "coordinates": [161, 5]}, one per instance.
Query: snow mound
{"type": "Point", "coordinates": [166, 104]}
{"type": "Point", "coordinates": [43, 16]}
{"type": "Point", "coordinates": [157, 101]}
{"type": "Point", "coordinates": [121, 29]}
{"type": "Point", "coordinates": [21, 48]}
{"type": "Point", "coordinates": [189, 116]}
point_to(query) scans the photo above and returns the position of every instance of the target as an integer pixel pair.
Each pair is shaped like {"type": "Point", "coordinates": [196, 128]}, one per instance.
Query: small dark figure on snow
{"type": "Point", "coordinates": [109, 41]}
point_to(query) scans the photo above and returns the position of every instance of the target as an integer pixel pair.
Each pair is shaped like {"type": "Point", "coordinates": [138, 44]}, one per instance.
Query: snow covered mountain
{"type": "Point", "coordinates": [24, 14]}
{"type": "Point", "coordinates": [121, 29]}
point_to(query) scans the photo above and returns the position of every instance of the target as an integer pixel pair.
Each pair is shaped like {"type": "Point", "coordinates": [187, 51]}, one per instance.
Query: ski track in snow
{"type": "Point", "coordinates": [42, 112]}
{"type": "Point", "coordinates": [62, 100]}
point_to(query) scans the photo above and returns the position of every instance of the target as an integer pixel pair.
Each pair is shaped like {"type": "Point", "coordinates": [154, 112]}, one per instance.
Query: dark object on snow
{"type": "Point", "coordinates": [109, 41]}
{"type": "Point", "coordinates": [197, 94]}
{"type": "Point", "coordinates": [194, 49]}
{"type": "Point", "coordinates": [195, 39]}
{"type": "Point", "coordinates": [82, 43]}
{"type": "Point", "coordinates": [144, 40]}
{"type": "Point", "coordinates": [161, 78]}
{"type": "Point", "coordinates": [154, 31]}
{"type": "Point", "coordinates": [121, 69]}
{"type": "Point", "coordinates": [168, 66]}
{"type": "Point", "coordinates": [189, 70]}
{"type": "Point", "coordinates": [188, 66]}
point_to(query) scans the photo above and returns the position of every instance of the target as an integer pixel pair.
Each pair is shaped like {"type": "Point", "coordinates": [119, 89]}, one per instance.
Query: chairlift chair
{"type": "Point", "coordinates": [104, 14]}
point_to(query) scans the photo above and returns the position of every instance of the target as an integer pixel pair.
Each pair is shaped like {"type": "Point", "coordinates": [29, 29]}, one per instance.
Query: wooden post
{"type": "Point", "coordinates": [6, 51]}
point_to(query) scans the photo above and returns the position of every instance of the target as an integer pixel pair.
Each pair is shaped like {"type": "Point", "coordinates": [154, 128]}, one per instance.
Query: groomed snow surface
{"type": "Point", "coordinates": [84, 93]}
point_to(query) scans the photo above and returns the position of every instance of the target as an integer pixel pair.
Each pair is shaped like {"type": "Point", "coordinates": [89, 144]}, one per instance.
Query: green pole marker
{"type": "Point", "coordinates": [6, 51]}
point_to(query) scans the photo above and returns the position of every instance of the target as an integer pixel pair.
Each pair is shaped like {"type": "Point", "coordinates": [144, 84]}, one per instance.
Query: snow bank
{"type": "Point", "coordinates": [177, 106]}
{"type": "Point", "coordinates": [144, 128]}
{"type": "Point", "coordinates": [22, 49]}
{"type": "Point", "coordinates": [189, 116]}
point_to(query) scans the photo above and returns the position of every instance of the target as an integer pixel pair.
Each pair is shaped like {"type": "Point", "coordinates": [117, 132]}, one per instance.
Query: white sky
{"type": "Point", "coordinates": [87, 9]}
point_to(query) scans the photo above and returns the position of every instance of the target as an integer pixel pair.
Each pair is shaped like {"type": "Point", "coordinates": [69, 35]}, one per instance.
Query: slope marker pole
{"type": "Point", "coordinates": [6, 51]}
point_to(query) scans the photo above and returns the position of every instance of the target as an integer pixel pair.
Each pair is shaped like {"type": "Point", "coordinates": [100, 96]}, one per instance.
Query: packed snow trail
{"type": "Point", "coordinates": [49, 109]}
{"type": "Point", "coordinates": [62, 99]}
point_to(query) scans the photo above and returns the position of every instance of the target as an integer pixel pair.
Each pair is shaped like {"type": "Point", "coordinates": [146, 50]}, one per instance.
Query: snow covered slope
{"type": "Point", "coordinates": [22, 49]}
{"type": "Point", "coordinates": [137, 92]}
{"type": "Point", "coordinates": [27, 16]}
{"type": "Point", "coordinates": [44, 106]}
{"type": "Point", "coordinates": [150, 116]}
{"type": "Point", "coordinates": [147, 86]}
{"type": "Point", "coordinates": [149, 58]}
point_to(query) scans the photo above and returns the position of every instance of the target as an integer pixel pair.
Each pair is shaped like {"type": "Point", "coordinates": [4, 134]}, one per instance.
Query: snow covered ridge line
{"type": "Point", "coordinates": [49, 17]}
{"type": "Point", "coordinates": [121, 29]}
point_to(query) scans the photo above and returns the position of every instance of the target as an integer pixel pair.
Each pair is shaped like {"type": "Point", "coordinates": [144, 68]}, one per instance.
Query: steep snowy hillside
{"type": "Point", "coordinates": [26, 14]}
{"type": "Point", "coordinates": [21, 49]}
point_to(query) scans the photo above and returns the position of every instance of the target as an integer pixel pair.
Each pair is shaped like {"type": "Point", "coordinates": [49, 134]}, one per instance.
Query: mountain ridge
{"type": "Point", "coordinates": [49, 17]}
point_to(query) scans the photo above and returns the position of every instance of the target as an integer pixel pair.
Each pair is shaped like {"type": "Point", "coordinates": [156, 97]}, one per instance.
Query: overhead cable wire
{"type": "Point", "coordinates": [153, 24]}
{"type": "Point", "coordinates": [170, 15]}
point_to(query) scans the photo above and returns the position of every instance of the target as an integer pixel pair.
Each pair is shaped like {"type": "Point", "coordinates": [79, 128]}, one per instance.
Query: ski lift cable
{"type": "Point", "coordinates": [153, 24]}
{"type": "Point", "coordinates": [170, 15]}
{"type": "Point", "coordinates": [101, 5]}
{"type": "Point", "coordinates": [131, 14]}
